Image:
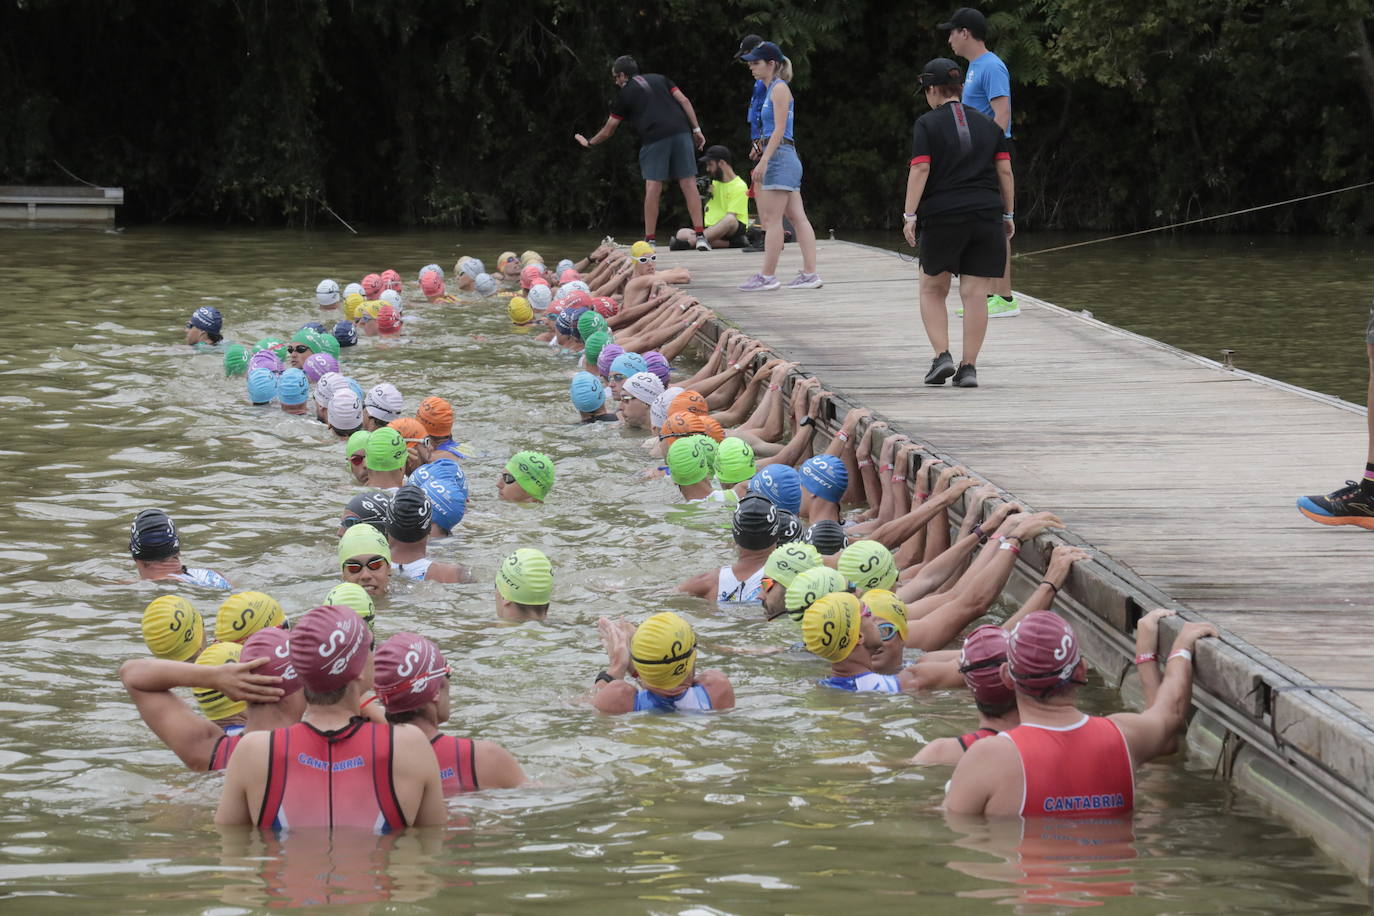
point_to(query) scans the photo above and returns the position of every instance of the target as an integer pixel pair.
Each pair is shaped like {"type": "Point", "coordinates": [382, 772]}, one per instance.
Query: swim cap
{"type": "Point", "coordinates": [317, 364]}
{"type": "Point", "coordinates": [830, 626]}
{"type": "Point", "coordinates": [327, 293]}
{"type": "Point", "coordinates": [331, 344]}
{"type": "Point", "coordinates": [265, 359]}
{"type": "Point", "coordinates": [392, 280]}
{"type": "Point", "coordinates": [526, 577]}
{"type": "Point", "coordinates": [370, 508]}
{"type": "Point", "coordinates": [658, 410]}
{"type": "Point", "coordinates": [868, 564]}
{"type": "Point", "coordinates": [388, 320]}
{"type": "Point", "coordinates": [587, 392]}
{"type": "Point", "coordinates": [606, 307]}
{"type": "Point", "coordinates": [577, 298]}
{"type": "Point", "coordinates": [242, 615]}
{"type": "Point", "coordinates": [663, 649]}
{"type": "Point", "coordinates": [411, 430]}
{"type": "Point", "coordinates": [432, 282]}
{"type": "Point", "coordinates": [409, 672]}
{"type": "Point", "coordinates": [825, 476]}
{"type": "Point", "coordinates": [352, 289]}
{"type": "Point", "coordinates": [345, 333]}
{"type": "Point", "coordinates": [787, 561]}
{"type": "Point", "coordinates": [682, 424]}
{"type": "Point", "coordinates": [411, 515]}
{"type": "Point", "coordinates": [345, 412]}
{"type": "Point", "coordinates": [329, 648]}
{"type": "Point", "coordinates": [267, 343]}
{"type": "Point", "coordinates": [447, 488]}
{"type": "Point", "coordinates": [293, 387]}
{"type": "Point", "coordinates": [519, 310]}
{"type": "Point", "coordinates": [172, 628]}
{"type": "Point", "coordinates": [473, 267]}
{"type": "Point", "coordinates": [353, 305]}
{"type": "Point", "coordinates": [640, 249]}
{"type": "Point", "coordinates": [1042, 652]}
{"type": "Point", "coordinates": [485, 284]}
{"type": "Point", "coordinates": [383, 402]}
{"type": "Point", "coordinates": [754, 523]}
{"type": "Point", "coordinates": [566, 271]}
{"type": "Point", "coordinates": [627, 364]}
{"type": "Point", "coordinates": [310, 338]}
{"type": "Point", "coordinates": [262, 386]}
{"type": "Point", "coordinates": [810, 585]}
{"type": "Point", "coordinates": [734, 458]}
{"type": "Point", "coordinates": [689, 401]}
{"type": "Point", "coordinates": [505, 258]}
{"type": "Point", "coordinates": [980, 662]}
{"type": "Point", "coordinates": [325, 386]}
{"type": "Point", "coordinates": [690, 459]}
{"type": "Point", "coordinates": [430, 269]}
{"type": "Point", "coordinates": [369, 311]}
{"type": "Point", "coordinates": [207, 318]}
{"type": "Point", "coordinates": [540, 297]}
{"type": "Point", "coordinates": [528, 274]}
{"type": "Point", "coordinates": [533, 471]}
{"type": "Point", "coordinates": [213, 704]}
{"type": "Point", "coordinates": [657, 364]}
{"type": "Point", "coordinates": [275, 645]}
{"type": "Point", "coordinates": [643, 386]}
{"type": "Point", "coordinates": [789, 527]}
{"type": "Point", "coordinates": [391, 298]}
{"type": "Point", "coordinates": [588, 322]}
{"type": "Point", "coordinates": [609, 354]}
{"type": "Point", "coordinates": [363, 541]}
{"type": "Point", "coordinates": [316, 326]}
{"type": "Point", "coordinates": [153, 536]}
{"type": "Point", "coordinates": [437, 416]}
{"type": "Point", "coordinates": [711, 426]}
{"type": "Point", "coordinates": [235, 360]}
{"type": "Point", "coordinates": [531, 256]}
{"type": "Point", "coordinates": [885, 605]}
{"type": "Point", "coordinates": [386, 450]}
{"type": "Point", "coordinates": [354, 596]}
{"type": "Point", "coordinates": [357, 442]}
{"type": "Point", "coordinates": [592, 347]}
{"type": "Point", "coordinates": [826, 536]}
{"type": "Point", "coordinates": [779, 484]}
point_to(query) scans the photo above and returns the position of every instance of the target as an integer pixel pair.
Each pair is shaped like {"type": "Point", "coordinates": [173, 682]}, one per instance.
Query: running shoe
{"type": "Point", "coordinates": [966, 377]}
{"type": "Point", "coordinates": [1347, 506]}
{"type": "Point", "coordinates": [759, 283]}
{"type": "Point", "coordinates": [806, 281]}
{"type": "Point", "coordinates": [702, 244]}
{"type": "Point", "coordinates": [997, 308]}
{"type": "Point", "coordinates": [941, 368]}
{"type": "Point", "coordinates": [678, 244]}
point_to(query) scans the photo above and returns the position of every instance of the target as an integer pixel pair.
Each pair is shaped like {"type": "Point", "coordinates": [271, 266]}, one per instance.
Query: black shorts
{"type": "Point", "coordinates": [973, 244]}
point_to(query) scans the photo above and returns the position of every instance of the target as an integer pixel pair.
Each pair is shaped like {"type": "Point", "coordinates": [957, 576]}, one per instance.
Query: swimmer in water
{"type": "Point", "coordinates": [203, 329]}
{"type": "Point", "coordinates": [408, 531]}
{"type": "Point", "coordinates": [412, 680]}
{"type": "Point", "coordinates": [528, 477]}
{"type": "Point", "coordinates": [638, 395]}
{"type": "Point", "coordinates": [345, 412]}
{"type": "Point", "coordinates": [690, 460]}
{"type": "Point", "coordinates": [385, 459]}
{"type": "Point", "coordinates": [242, 615]}
{"type": "Point", "coordinates": [661, 654]}
{"type": "Point", "coordinates": [524, 585]}
{"type": "Point", "coordinates": [754, 528]}
{"type": "Point", "coordinates": [780, 570]}
{"type": "Point", "coordinates": [588, 397]}
{"type": "Point", "coordinates": [356, 451]}
{"type": "Point", "coordinates": [508, 264]}
{"type": "Point", "coordinates": [173, 629]}
{"type": "Point", "coordinates": [447, 488]}
{"type": "Point", "coordinates": [381, 405]}
{"type": "Point", "coordinates": [980, 663]}
{"type": "Point", "coordinates": [156, 551]}
{"type": "Point", "coordinates": [365, 558]}
{"type": "Point", "coordinates": [293, 391]}
{"type": "Point", "coordinates": [385, 777]}
{"type": "Point", "coordinates": [437, 416]}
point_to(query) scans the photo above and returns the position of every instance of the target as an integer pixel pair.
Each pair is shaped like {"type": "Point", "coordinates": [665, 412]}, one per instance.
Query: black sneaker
{"type": "Point", "coordinates": [678, 244]}
{"type": "Point", "coordinates": [1347, 506]}
{"type": "Point", "coordinates": [966, 377]}
{"type": "Point", "coordinates": [941, 368]}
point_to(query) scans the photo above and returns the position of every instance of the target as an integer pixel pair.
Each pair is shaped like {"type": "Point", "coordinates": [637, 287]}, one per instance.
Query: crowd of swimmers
{"type": "Point", "coordinates": [843, 537]}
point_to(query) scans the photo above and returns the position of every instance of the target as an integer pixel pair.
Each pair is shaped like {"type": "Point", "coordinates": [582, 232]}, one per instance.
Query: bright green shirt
{"type": "Point", "coordinates": [728, 197]}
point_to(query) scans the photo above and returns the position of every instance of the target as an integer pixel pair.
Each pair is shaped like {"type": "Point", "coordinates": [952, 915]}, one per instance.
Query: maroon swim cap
{"type": "Point", "coordinates": [273, 643]}
{"type": "Point", "coordinates": [329, 647]}
{"type": "Point", "coordinates": [1042, 652]}
{"type": "Point", "coordinates": [410, 671]}
{"type": "Point", "coordinates": [980, 662]}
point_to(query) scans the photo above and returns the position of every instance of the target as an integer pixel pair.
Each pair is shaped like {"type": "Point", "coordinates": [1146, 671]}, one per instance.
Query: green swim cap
{"type": "Point", "coordinates": [734, 461]}
{"type": "Point", "coordinates": [363, 541]}
{"type": "Point", "coordinates": [593, 347]}
{"type": "Point", "coordinates": [868, 564]}
{"type": "Point", "coordinates": [690, 459]}
{"type": "Point", "coordinates": [533, 471]}
{"type": "Point", "coordinates": [352, 595]}
{"type": "Point", "coordinates": [268, 343]}
{"type": "Point", "coordinates": [331, 344]}
{"type": "Point", "coordinates": [589, 324]}
{"type": "Point", "coordinates": [310, 337]}
{"type": "Point", "coordinates": [386, 450]}
{"type": "Point", "coordinates": [807, 588]}
{"type": "Point", "coordinates": [357, 442]}
{"type": "Point", "coordinates": [787, 561]}
{"type": "Point", "coordinates": [526, 577]}
{"type": "Point", "coordinates": [236, 360]}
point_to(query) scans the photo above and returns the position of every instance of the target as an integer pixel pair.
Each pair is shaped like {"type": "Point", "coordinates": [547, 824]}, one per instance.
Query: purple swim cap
{"type": "Point", "coordinates": [657, 365]}
{"type": "Point", "coordinates": [607, 356]}
{"type": "Point", "coordinates": [265, 359]}
{"type": "Point", "coordinates": [318, 365]}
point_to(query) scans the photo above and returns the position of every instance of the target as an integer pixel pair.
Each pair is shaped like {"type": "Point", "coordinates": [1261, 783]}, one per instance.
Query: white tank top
{"type": "Point", "coordinates": [730, 590]}
{"type": "Point", "coordinates": [415, 569]}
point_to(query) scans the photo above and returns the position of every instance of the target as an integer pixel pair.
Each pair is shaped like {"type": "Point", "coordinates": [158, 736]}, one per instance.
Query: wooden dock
{"type": "Point", "coordinates": [59, 207]}
{"type": "Point", "coordinates": [1179, 473]}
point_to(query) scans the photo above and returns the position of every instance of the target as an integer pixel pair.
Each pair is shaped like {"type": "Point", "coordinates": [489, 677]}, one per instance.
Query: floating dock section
{"type": "Point", "coordinates": [58, 207]}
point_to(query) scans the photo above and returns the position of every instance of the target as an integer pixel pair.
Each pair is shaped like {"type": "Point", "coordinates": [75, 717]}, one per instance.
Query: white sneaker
{"type": "Point", "coordinates": [806, 281]}
{"type": "Point", "coordinates": [759, 283]}
{"type": "Point", "coordinates": [702, 244]}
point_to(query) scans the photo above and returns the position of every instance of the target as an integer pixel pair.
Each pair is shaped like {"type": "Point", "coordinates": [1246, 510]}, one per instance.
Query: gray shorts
{"type": "Point", "coordinates": [1369, 328]}
{"type": "Point", "coordinates": [668, 159]}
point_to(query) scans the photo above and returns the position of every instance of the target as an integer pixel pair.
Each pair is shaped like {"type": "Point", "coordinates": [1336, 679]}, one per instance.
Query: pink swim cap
{"type": "Point", "coordinates": [569, 275]}
{"type": "Point", "coordinates": [273, 643]}
{"type": "Point", "coordinates": [388, 322]}
{"type": "Point", "coordinates": [1042, 652]}
{"type": "Point", "coordinates": [392, 280]}
{"type": "Point", "coordinates": [578, 299]}
{"type": "Point", "coordinates": [431, 284]}
{"type": "Point", "coordinates": [409, 672]}
{"type": "Point", "coordinates": [980, 662]}
{"type": "Point", "coordinates": [606, 307]}
{"type": "Point", "coordinates": [329, 647]}
{"type": "Point", "coordinates": [373, 286]}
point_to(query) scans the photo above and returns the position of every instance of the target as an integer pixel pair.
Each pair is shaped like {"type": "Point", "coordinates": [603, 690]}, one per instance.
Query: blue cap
{"type": "Point", "coordinates": [447, 488]}
{"type": "Point", "coordinates": [152, 536]}
{"type": "Point", "coordinates": [628, 364]}
{"type": "Point", "coordinates": [357, 389]}
{"type": "Point", "coordinates": [207, 318]}
{"type": "Point", "coordinates": [316, 326]}
{"type": "Point", "coordinates": [346, 333]}
{"type": "Point", "coordinates": [574, 317]}
{"type": "Point", "coordinates": [588, 394]}
{"type": "Point", "coordinates": [293, 387]}
{"type": "Point", "coordinates": [764, 50]}
{"type": "Point", "coordinates": [825, 476]}
{"type": "Point", "coordinates": [262, 386]}
{"type": "Point", "coordinates": [780, 484]}
{"type": "Point", "coordinates": [563, 323]}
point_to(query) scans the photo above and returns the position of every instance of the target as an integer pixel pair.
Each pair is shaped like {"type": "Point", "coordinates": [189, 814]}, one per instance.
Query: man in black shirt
{"type": "Point", "coordinates": [959, 183]}
{"type": "Point", "coordinates": [666, 123]}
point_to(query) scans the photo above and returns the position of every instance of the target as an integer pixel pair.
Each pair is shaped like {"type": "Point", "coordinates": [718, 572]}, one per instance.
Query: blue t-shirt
{"type": "Point", "coordinates": [756, 109]}
{"type": "Point", "coordinates": [987, 79]}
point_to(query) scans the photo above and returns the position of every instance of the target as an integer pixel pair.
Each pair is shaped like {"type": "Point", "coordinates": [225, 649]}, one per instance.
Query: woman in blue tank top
{"type": "Point", "coordinates": [777, 177]}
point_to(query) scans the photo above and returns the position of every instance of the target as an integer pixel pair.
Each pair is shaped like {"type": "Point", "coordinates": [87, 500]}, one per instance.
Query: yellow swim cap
{"type": "Point", "coordinates": [352, 595]}
{"type": "Point", "coordinates": [830, 626]}
{"type": "Point", "coordinates": [370, 309]}
{"type": "Point", "coordinates": [530, 257]}
{"type": "Point", "coordinates": [353, 302]}
{"type": "Point", "coordinates": [884, 605]}
{"type": "Point", "coordinates": [526, 577]}
{"type": "Point", "coordinates": [172, 628]}
{"type": "Point", "coordinates": [520, 311]}
{"type": "Point", "coordinates": [788, 561]}
{"type": "Point", "coordinates": [809, 586]}
{"type": "Point", "coordinates": [663, 649]}
{"type": "Point", "coordinates": [213, 704]}
{"type": "Point", "coordinates": [242, 615]}
{"type": "Point", "coordinates": [868, 564]}
{"type": "Point", "coordinates": [640, 249]}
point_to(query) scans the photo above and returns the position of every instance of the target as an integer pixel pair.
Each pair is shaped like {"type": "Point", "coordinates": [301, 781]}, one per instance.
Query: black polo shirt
{"type": "Point", "coordinates": [647, 102]}
{"type": "Point", "coordinates": [962, 147]}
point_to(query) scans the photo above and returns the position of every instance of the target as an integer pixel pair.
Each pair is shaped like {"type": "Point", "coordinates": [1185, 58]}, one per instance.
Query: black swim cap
{"type": "Point", "coordinates": [755, 523]}
{"type": "Point", "coordinates": [827, 537]}
{"type": "Point", "coordinates": [152, 536]}
{"type": "Point", "coordinates": [371, 508]}
{"type": "Point", "coordinates": [411, 514]}
{"type": "Point", "coordinates": [788, 528]}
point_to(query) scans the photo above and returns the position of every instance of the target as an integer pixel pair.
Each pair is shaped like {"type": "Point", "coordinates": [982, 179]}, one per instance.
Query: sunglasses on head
{"type": "Point", "coordinates": [372, 563]}
{"type": "Point", "coordinates": [646, 258]}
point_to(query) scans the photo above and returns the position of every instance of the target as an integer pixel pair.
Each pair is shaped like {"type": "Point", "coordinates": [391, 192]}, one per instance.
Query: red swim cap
{"type": "Point", "coordinates": [530, 274]}
{"type": "Point", "coordinates": [980, 662]}
{"type": "Point", "coordinates": [607, 307]}
{"type": "Point", "coordinates": [388, 322]}
{"type": "Point", "coordinates": [273, 643]}
{"type": "Point", "coordinates": [373, 286]}
{"type": "Point", "coordinates": [569, 276]}
{"type": "Point", "coordinates": [1042, 652]}
{"type": "Point", "coordinates": [578, 299]}
{"type": "Point", "coordinates": [329, 647]}
{"type": "Point", "coordinates": [392, 280]}
{"type": "Point", "coordinates": [410, 671]}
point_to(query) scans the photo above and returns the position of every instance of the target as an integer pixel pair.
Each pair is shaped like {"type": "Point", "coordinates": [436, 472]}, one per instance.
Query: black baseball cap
{"type": "Point", "coordinates": [714, 153]}
{"type": "Point", "coordinates": [936, 73]}
{"type": "Point", "coordinates": [747, 44]}
{"type": "Point", "coordinates": [967, 18]}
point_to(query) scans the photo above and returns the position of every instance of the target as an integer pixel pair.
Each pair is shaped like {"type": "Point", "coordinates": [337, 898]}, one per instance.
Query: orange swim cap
{"type": "Point", "coordinates": [689, 402]}
{"type": "Point", "coordinates": [437, 416]}
{"type": "Point", "coordinates": [682, 424]}
{"type": "Point", "coordinates": [411, 430]}
{"type": "Point", "coordinates": [713, 428]}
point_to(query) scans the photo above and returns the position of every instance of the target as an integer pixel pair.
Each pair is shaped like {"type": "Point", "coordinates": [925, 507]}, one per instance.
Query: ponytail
{"type": "Point", "coordinates": [784, 70]}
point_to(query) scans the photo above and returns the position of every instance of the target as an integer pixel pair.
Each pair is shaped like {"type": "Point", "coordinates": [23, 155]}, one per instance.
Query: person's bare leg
{"type": "Point", "coordinates": [1004, 285]}
{"type": "Point", "coordinates": [722, 231]}
{"type": "Point", "coordinates": [973, 293]}
{"type": "Point", "coordinates": [693, 199]}
{"type": "Point", "coordinates": [934, 292]}
{"type": "Point", "coordinates": [771, 204]}
{"type": "Point", "coordinates": [801, 228]}
{"type": "Point", "coordinates": [1370, 404]}
{"type": "Point", "coordinates": [653, 190]}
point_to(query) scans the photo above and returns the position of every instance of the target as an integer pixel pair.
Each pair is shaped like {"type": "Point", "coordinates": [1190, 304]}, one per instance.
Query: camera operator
{"type": "Point", "coordinates": [727, 204]}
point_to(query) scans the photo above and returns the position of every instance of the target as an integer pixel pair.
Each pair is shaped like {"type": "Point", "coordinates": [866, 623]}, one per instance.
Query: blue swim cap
{"type": "Point", "coordinates": [447, 488]}
{"type": "Point", "coordinates": [588, 394]}
{"type": "Point", "coordinates": [825, 476]}
{"type": "Point", "coordinates": [207, 318]}
{"type": "Point", "coordinates": [346, 333]}
{"type": "Point", "coordinates": [293, 387]}
{"type": "Point", "coordinates": [262, 386]}
{"type": "Point", "coordinates": [780, 485]}
{"type": "Point", "coordinates": [357, 389]}
{"type": "Point", "coordinates": [316, 326]}
{"type": "Point", "coordinates": [627, 364]}
{"type": "Point", "coordinates": [563, 323]}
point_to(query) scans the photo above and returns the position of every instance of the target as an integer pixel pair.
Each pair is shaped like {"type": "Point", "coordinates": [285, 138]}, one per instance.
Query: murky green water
{"type": "Point", "coordinates": [794, 802]}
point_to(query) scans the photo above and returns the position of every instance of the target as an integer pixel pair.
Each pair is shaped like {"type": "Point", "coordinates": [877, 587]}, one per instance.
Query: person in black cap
{"type": "Point", "coordinates": [156, 549]}
{"type": "Point", "coordinates": [667, 125]}
{"type": "Point", "coordinates": [204, 327]}
{"type": "Point", "coordinates": [959, 181]}
{"type": "Point", "coordinates": [727, 209]}
{"type": "Point", "coordinates": [760, 95]}
{"type": "Point", "coordinates": [755, 529]}
{"type": "Point", "coordinates": [407, 529]}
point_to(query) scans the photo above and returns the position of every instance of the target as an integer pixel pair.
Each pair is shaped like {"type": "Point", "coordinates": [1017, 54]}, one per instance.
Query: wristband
{"type": "Point", "coordinates": [885, 468]}
{"type": "Point", "coordinates": [1008, 216]}
{"type": "Point", "coordinates": [865, 463]}
{"type": "Point", "coordinates": [899, 478]}
{"type": "Point", "coordinates": [1144, 657]}
{"type": "Point", "coordinates": [908, 217]}
{"type": "Point", "coordinates": [1008, 545]}
{"type": "Point", "coordinates": [842, 435]}
{"type": "Point", "coordinates": [920, 495]}
{"type": "Point", "coordinates": [603, 676]}
{"type": "Point", "coordinates": [1181, 653]}
{"type": "Point", "coordinates": [772, 387]}
{"type": "Point", "coordinates": [1056, 590]}
{"type": "Point", "coordinates": [696, 130]}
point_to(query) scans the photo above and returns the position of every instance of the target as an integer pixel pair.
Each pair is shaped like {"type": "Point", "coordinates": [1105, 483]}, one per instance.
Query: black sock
{"type": "Point", "coordinates": [1367, 483]}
